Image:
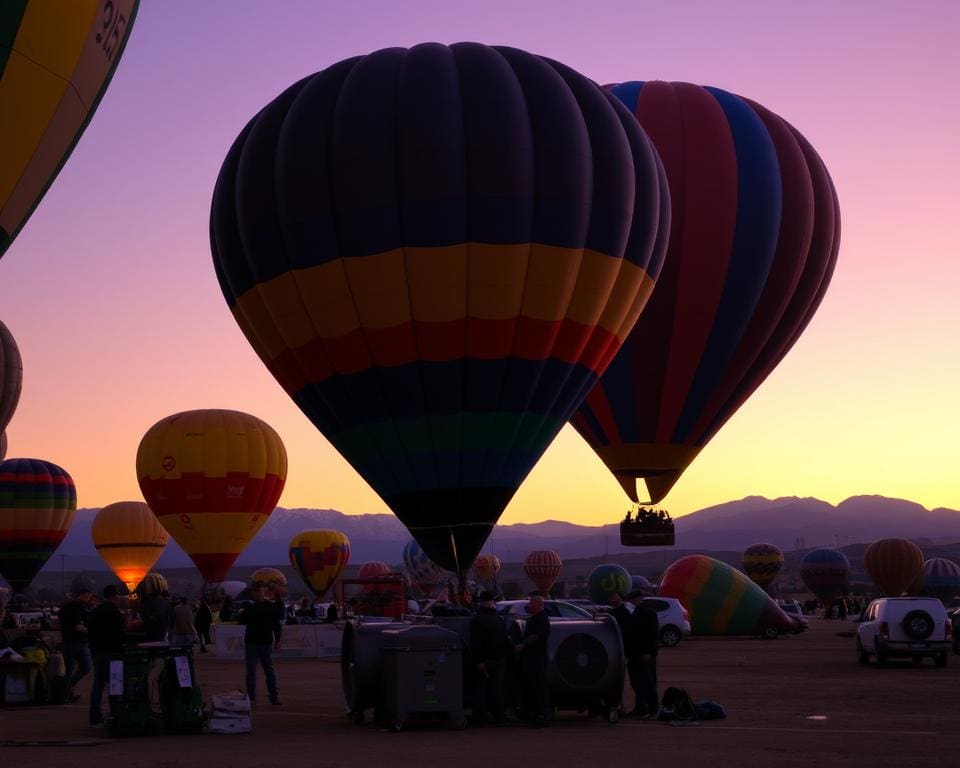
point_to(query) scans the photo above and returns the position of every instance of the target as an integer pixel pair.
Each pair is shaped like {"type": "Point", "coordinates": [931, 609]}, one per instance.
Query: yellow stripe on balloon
{"type": "Point", "coordinates": [730, 604]}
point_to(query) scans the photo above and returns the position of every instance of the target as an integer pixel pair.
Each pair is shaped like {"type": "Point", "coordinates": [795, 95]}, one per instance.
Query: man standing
{"type": "Point", "coordinates": [643, 636]}
{"type": "Point", "coordinates": [76, 646]}
{"type": "Point", "coordinates": [106, 643]}
{"type": "Point", "coordinates": [624, 619]}
{"type": "Point", "coordinates": [260, 638]}
{"type": "Point", "coordinates": [536, 659]}
{"type": "Point", "coordinates": [488, 648]}
{"type": "Point", "coordinates": [204, 622]}
{"type": "Point", "coordinates": [182, 631]}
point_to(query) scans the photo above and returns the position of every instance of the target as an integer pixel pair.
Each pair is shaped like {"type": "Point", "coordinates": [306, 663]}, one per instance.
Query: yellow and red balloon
{"type": "Point", "coordinates": [319, 557]}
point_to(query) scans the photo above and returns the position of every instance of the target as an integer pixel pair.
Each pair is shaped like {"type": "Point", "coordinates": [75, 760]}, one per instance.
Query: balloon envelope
{"type": "Point", "coordinates": [153, 583]}
{"type": "Point", "coordinates": [3, 445]}
{"type": "Point", "coordinates": [425, 573]}
{"type": "Point", "coordinates": [212, 478]}
{"type": "Point", "coordinates": [130, 539]}
{"type": "Point", "coordinates": [272, 579]}
{"type": "Point", "coordinates": [486, 566]}
{"type": "Point", "coordinates": [751, 252]}
{"type": "Point", "coordinates": [37, 504]}
{"type": "Point", "coordinates": [940, 578]}
{"type": "Point", "coordinates": [56, 61]}
{"type": "Point", "coordinates": [319, 557]}
{"type": "Point", "coordinates": [762, 563]}
{"type": "Point", "coordinates": [11, 380]}
{"type": "Point", "coordinates": [893, 564]}
{"type": "Point", "coordinates": [467, 235]}
{"type": "Point", "coordinates": [720, 599]}
{"type": "Point", "coordinates": [826, 572]}
{"type": "Point", "coordinates": [606, 579]}
{"type": "Point", "coordinates": [542, 567]}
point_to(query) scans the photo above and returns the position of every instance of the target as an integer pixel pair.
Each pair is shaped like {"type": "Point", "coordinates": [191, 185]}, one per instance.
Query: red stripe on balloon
{"type": "Point", "coordinates": [195, 493]}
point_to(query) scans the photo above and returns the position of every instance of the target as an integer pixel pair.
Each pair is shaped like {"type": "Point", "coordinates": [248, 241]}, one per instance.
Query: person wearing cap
{"type": "Point", "coordinates": [106, 643]}
{"type": "Point", "coordinates": [73, 633]}
{"type": "Point", "coordinates": [641, 643]}
{"type": "Point", "coordinates": [535, 656]}
{"type": "Point", "coordinates": [488, 649]}
{"type": "Point", "coordinates": [260, 638]}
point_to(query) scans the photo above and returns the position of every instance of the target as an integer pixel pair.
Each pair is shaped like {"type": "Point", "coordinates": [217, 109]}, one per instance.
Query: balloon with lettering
{"type": "Point", "coordinates": [762, 563]}
{"type": "Point", "coordinates": [56, 61]}
{"type": "Point", "coordinates": [11, 380]}
{"type": "Point", "coordinates": [486, 566]}
{"type": "Point", "coordinates": [753, 247]}
{"type": "Point", "coordinates": [606, 579]}
{"type": "Point", "coordinates": [319, 557]}
{"type": "Point", "coordinates": [425, 573]}
{"type": "Point", "coordinates": [940, 578]}
{"type": "Point", "coordinates": [212, 477]}
{"type": "Point", "coordinates": [37, 505]}
{"type": "Point", "coordinates": [826, 572]}
{"type": "Point", "coordinates": [542, 567]}
{"type": "Point", "coordinates": [436, 251]}
{"type": "Point", "coordinates": [720, 599]}
{"type": "Point", "coordinates": [893, 564]}
{"type": "Point", "coordinates": [130, 539]}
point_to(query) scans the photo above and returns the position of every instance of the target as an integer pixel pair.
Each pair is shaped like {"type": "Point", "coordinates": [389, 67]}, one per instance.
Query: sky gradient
{"type": "Point", "coordinates": [111, 295]}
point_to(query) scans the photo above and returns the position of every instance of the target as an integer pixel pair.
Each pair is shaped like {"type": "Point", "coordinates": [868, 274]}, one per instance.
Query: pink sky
{"type": "Point", "coordinates": [110, 292]}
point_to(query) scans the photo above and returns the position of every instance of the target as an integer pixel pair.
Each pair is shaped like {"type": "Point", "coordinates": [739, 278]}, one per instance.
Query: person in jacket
{"type": "Point", "coordinates": [155, 612]}
{"type": "Point", "coordinates": [488, 649]}
{"type": "Point", "coordinates": [182, 631]}
{"type": "Point", "coordinates": [204, 622]}
{"type": "Point", "coordinates": [106, 637]}
{"type": "Point", "coordinates": [261, 637]}
{"type": "Point", "coordinates": [641, 644]}
{"type": "Point", "coordinates": [535, 659]}
{"type": "Point", "coordinates": [76, 646]}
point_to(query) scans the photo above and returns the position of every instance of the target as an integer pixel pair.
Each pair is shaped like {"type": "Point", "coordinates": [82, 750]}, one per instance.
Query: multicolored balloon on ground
{"type": "Point", "coordinates": [130, 539]}
{"type": "Point", "coordinates": [893, 564]}
{"type": "Point", "coordinates": [56, 61]}
{"type": "Point", "coordinates": [319, 557]}
{"type": "Point", "coordinates": [542, 567]}
{"type": "Point", "coordinates": [940, 578]}
{"type": "Point", "coordinates": [425, 573]}
{"type": "Point", "coordinates": [37, 504]}
{"type": "Point", "coordinates": [721, 600]}
{"type": "Point", "coordinates": [826, 573]}
{"type": "Point", "coordinates": [468, 235]}
{"type": "Point", "coordinates": [762, 563]}
{"type": "Point", "coordinates": [486, 566]}
{"type": "Point", "coordinates": [212, 477]}
{"type": "Point", "coordinates": [756, 230]}
{"type": "Point", "coordinates": [606, 579]}
{"type": "Point", "coordinates": [271, 579]}
{"type": "Point", "coordinates": [11, 377]}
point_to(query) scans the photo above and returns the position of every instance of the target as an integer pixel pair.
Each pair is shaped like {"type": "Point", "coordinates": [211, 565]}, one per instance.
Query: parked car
{"type": "Point", "coordinates": [673, 617]}
{"type": "Point", "coordinates": [555, 609]}
{"type": "Point", "coordinates": [904, 627]}
{"type": "Point", "coordinates": [588, 605]}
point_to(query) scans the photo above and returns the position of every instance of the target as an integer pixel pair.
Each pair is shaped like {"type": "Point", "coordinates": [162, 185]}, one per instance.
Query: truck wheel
{"type": "Point", "coordinates": [863, 658]}
{"type": "Point", "coordinates": [771, 632]}
{"type": "Point", "coordinates": [940, 659]}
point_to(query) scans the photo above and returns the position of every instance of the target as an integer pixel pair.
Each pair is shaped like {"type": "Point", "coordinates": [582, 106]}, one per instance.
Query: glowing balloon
{"type": "Point", "coordinates": [425, 573]}
{"type": "Point", "coordinates": [153, 584]}
{"type": "Point", "coordinates": [11, 377]}
{"type": "Point", "coordinates": [130, 539]}
{"type": "Point", "coordinates": [762, 563]}
{"type": "Point", "coordinates": [606, 579]}
{"type": "Point", "coordinates": [486, 567]}
{"type": "Point", "coordinates": [825, 571]}
{"type": "Point", "coordinates": [56, 61]}
{"type": "Point", "coordinates": [212, 478]}
{"type": "Point", "coordinates": [319, 557]}
{"type": "Point", "coordinates": [436, 251]}
{"type": "Point", "coordinates": [37, 505]}
{"type": "Point", "coordinates": [893, 564]}
{"type": "Point", "coordinates": [754, 242]}
{"type": "Point", "coordinates": [542, 567]}
{"type": "Point", "coordinates": [721, 600]}
{"type": "Point", "coordinates": [940, 578]}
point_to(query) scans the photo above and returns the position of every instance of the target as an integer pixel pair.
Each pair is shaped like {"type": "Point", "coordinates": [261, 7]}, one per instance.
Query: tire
{"type": "Point", "coordinates": [670, 636]}
{"type": "Point", "coordinates": [918, 625]}
{"type": "Point", "coordinates": [940, 660]}
{"type": "Point", "coordinates": [771, 632]}
{"type": "Point", "coordinates": [863, 658]}
{"type": "Point", "coordinates": [881, 657]}
{"type": "Point", "coordinates": [613, 716]}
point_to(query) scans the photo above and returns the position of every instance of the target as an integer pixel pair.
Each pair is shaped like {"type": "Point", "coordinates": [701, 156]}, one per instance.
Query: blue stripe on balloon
{"type": "Point", "coordinates": [629, 93]}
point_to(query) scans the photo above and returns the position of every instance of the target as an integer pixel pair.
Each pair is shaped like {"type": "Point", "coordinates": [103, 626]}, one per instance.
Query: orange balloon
{"type": "Point", "coordinates": [128, 536]}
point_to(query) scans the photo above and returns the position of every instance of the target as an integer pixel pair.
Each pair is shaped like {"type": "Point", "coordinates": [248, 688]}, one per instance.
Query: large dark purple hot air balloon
{"type": "Point", "coordinates": [11, 377]}
{"type": "Point", "coordinates": [436, 251]}
{"type": "Point", "coordinates": [826, 572]}
{"type": "Point", "coordinates": [756, 229]}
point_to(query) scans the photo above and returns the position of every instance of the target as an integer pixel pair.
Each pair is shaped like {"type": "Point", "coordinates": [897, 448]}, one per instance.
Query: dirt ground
{"type": "Point", "coordinates": [794, 701]}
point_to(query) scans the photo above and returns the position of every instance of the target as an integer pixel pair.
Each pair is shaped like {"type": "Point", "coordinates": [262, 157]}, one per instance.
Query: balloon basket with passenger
{"type": "Point", "coordinates": [647, 528]}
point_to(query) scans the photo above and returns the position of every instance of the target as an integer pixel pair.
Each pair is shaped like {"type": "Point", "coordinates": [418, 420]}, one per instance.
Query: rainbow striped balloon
{"type": "Point", "coordinates": [37, 504]}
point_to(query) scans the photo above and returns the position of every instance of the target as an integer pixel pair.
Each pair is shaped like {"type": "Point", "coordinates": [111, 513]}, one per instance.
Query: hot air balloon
{"type": "Point", "coordinates": [606, 579]}
{"type": "Point", "coordinates": [542, 567]}
{"type": "Point", "coordinates": [723, 601]}
{"type": "Point", "coordinates": [762, 563]}
{"type": "Point", "coordinates": [750, 257]}
{"type": "Point", "coordinates": [319, 557]}
{"type": "Point", "coordinates": [825, 571]}
{"type": "Point", "coordinates": [212, 478]}
{"type": "Point", "coordinates": [893, 564]}
{"type": "Point", "coordinates": [940, 578]}
{"type": "Point", "coordinates": [467, 235]}
{"type": "Point", "coordinates": [56, 61]}
{"type": "Point", "coordinates": [11, 378]}
{"type": "Point", "coordinates": [272, 579]}
{"type": "Point", "coordinates": [486, 567]}
{"type": "Point", "coordinates": [37, 504]}
{"type": "Point", "coordinates": [153, 584]}
{"type": "Point", "coordinates": [373, 569]}
{"type": "Point", "coordinates": [130, 539]}
{"type": "Point", "coordinates": [425, 573]}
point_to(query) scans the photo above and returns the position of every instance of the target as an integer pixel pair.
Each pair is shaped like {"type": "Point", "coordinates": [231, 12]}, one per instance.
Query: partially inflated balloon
{"type": "Point", "coordinates": [11, 379]}
{"type": "Point", "coordinates": [720, 599]}
{"type": "Point", "coordinates": [940, 578]}
{"type": "Point", "coordinates": [130, 539]}
{"type": "Point", "coordinates": [212, 478]}
{"type": "Point", "coordinates": [486, 566]}
{"type": "Point", "coordinates": [542, 567]}
{"type": "Point", "coordinates": [606, 579]}
{"type": "Point", "coordinates": [756, 230]}
{"type": "Point", "coordinates": [319, 557]}
{"type": "Point", "coordinates": [37, 505]}
{"type": "Point", "coordinates": [762, 563]}
{"type": "Point", "coordinates": [56, 60]}
{"type": "Point", "coordinates": [425, 573]}
{"type": "Point", "coordinates": [893, 564]}
{"type": "Point", "coordinates": [436, 251]}
{"type": "Point", "coordinates": [826, 572]}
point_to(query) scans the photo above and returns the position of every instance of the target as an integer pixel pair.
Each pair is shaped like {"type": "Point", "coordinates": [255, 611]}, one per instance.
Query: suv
{"type": "Point", "coordinates": [905, 627]}
{"type": "Point", "coordinates": [673, 617]}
